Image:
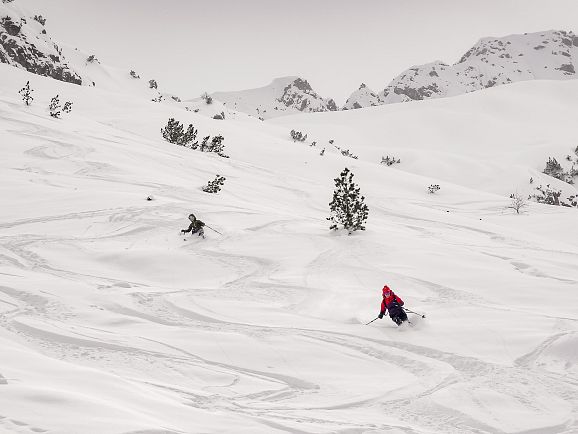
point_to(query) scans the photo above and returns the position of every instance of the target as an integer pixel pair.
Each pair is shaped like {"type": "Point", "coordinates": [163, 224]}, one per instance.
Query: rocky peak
{"type": "Point", "coordinates": [24, 43]}
{"type": "Point", "coordinates": [362, 97]}
{"type": "Point", "coordinates": [283, 96]}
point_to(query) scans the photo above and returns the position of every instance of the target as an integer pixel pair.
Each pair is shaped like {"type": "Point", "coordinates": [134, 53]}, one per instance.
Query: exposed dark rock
{"type": "Point", "coordinates": [568, 67]}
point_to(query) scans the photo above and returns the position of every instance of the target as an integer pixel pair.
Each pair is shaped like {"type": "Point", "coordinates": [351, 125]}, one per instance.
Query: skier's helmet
{"type": "Point", "coordinates": [192, 217]}
{"type": "Point", "coordinates": [386, 291]}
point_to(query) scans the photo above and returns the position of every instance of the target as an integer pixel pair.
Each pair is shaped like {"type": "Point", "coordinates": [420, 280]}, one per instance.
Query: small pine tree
{"type": "Point", "coordinates": [208, 98]}
{"type": "Point", "coordinates": [298, 136]}
{"type": "Point", "coordinates": [547, 195]}
{"type": "Point", "coordinates": [26, 93]}
{"type": "Point", "coordinates": [217, 146]}
{"type": "Point", "coordinates": [390, 161]}
{"type": "Point", "coordinates": [173, 131]}
{"type": "Point", "coordinates": [67, 107]}
{"type": "Point", "coordinates": [54, 107]}
{"type": "Point", "coordinates": [214, 186]}
{"type": "Point", "coordinates": [188, 138]}
{"type": "Point", "coordinates": [134, 74]}
{"type": "Point", "coordinates": [153, 84]}
{"type": "Point", "coordinates": [347, 207]}
{"type": "Point", "coordinates": [554, 169]}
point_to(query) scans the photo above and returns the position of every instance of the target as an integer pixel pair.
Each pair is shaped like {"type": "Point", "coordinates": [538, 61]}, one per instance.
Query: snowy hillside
{"type": "Point", "coordinates": [110, 322]}
{"type": "Point", "coordinates": [286, 95]}
{"type": "Point", "coordinates": [551, 55]}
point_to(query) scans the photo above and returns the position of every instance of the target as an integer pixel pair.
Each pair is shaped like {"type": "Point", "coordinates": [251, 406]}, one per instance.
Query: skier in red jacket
{"type": "Point", "coordinates": [393, 304]}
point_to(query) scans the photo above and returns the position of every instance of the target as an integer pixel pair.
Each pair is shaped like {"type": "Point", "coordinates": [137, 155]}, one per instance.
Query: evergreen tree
{"type": "Point", "coordinates": [188, 138]}
{"type": "Point", "coordinates": [215, 185]}
{"type": "Point", "coordinates": [67, 107]}
{"type": "Point", "coordinates": [347, 207]}
{"type": "Point", "coordinates": [26, 93]}
{"type": "Point", "coordinates": [54, 107]}
{"type": "Point", "coordinates": [554, 169]}
{"type": "Point", "coordinates": [173, 131]}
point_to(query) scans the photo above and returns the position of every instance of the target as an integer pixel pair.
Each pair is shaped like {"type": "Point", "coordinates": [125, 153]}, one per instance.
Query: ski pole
{"type": "Point", "coordinates": [371, 321]}
{"type": "Point", "coordinates": [213, 229]}
{"type": "Point", "coordinates": [415, 313]}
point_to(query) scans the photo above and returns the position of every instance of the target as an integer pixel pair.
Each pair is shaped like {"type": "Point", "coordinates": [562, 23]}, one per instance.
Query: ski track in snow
{"type": "Point", "coordinates": [277, 339]}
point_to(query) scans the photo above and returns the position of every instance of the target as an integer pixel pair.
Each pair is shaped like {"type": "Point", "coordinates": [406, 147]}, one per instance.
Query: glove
{"type": "Point", "coordinates": [380, 315]}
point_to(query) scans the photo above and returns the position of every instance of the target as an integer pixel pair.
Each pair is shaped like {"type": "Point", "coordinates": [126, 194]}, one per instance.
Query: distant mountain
{"type": "Point", "coordinates": [551, 55]}
{"type": "Point", "coordinates": [362, 97]}
{"type": "Point", "coordinates": [25, 43]}
{"type": "Point", "coordinates": [284, 96]}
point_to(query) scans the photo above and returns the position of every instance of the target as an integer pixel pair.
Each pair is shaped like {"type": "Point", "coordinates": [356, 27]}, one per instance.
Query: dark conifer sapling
{"type": "Point", "coordinates": [347, 208]}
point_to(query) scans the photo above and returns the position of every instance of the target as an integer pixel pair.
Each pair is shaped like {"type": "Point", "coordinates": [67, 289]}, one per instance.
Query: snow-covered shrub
{"type": "Point", "coordinates": [546, 195]}
{"type": "Point", "coordinates": [26, 93]}
{"type": "Point", "coordinates": [40, 19]}
{"type": "Point", "coordinates": [159, 98]}
{"type": "Point", "coordinates": [214, 186]}
{"type": "Point", "coordinates": [313, 144]}
{"type": "Point", "coordinates": [134, 74]}
{"type": "Point", "coordinates": [322, 152]}
{"type": "Point", "coordinates": [174, 132]}
{"type": "Point", "coordinates": [153, 84]}
{"type": "Point", "coordinates": [220, 116]}
{"type": "Point", "coordinates": [390, 161]}
{"type": "Point", "coordinates": [7, 1]}
{"type": "Point", "coordinates": [347, 207]}
{"type": "Point", "coordinates": [175, 98]}
{"type": "Point", "coordinates": [91, 59]}
{"type": "Point", "coordinates": [214, 145]}
{"type": "Point", "coordinates": [346, 153]}
{"type": "Point", "coordinates": [208, 98]}
{"type": "Point", "coordinates": [517, 203]}
{"type": "Point", "coordinates": [554, 169]}
{"type": "Point", "coordinates": [433, 188]}
{"type": "Point", "coordinates": [298, 136]}
{"type": "Point", "coordinates": [54, 108]}
{"type": "Point", "coordinates": [67, 107]}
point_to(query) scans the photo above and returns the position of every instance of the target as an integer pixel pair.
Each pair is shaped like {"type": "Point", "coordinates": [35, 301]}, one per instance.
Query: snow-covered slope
{"type": "Point", "coordinates": [551, 55]}
{"type": "Point", "coordinates": [111, 323]}
{"type": "Point", "coordinates": [362, 97]}
{"type": "Point", "coordinates": [286, 95]}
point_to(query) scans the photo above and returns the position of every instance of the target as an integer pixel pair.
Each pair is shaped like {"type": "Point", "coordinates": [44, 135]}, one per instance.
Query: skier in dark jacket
{"type": "Point", "coordinates": [196, 227]}
{"type": "Point", "coordinates": [393, 304]}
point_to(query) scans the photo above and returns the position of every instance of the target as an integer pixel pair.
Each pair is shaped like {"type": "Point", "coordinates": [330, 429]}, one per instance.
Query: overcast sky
{"type": "Point", "coordinates": [191, 46]}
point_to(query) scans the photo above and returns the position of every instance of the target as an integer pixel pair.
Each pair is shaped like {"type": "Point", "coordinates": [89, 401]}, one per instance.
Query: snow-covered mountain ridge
{"type": "Point", "coordinates": [551, 55]}
{"type": "Point", "coordinates": [286, 95]}
{"type": "Point", "coordinates": [24, 43]}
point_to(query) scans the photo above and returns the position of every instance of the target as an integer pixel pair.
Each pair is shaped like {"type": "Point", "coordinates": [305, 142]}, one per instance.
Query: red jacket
{"type": "Point", "coordinates": [388, 297]}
